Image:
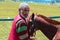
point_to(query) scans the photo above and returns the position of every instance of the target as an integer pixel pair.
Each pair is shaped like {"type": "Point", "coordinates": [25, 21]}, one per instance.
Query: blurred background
{"type": "Point", "coordinates": [9, 9]}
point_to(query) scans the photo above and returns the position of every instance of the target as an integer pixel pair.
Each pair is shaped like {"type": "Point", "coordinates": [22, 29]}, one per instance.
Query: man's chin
{"type": "Point", "coordinates": [26, 16]}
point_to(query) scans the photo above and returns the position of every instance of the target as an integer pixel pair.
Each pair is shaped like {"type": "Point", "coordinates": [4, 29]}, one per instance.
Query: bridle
{"type": "Point", "coordinates": [32, 27]}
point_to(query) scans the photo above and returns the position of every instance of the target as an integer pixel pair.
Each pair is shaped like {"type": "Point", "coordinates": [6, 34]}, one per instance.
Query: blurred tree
{"type": "Point", "coordinates": [2, 0]}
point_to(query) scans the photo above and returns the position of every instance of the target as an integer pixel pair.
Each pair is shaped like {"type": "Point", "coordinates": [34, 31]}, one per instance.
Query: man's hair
{"type": "Point", "coordinates": [22, 5]}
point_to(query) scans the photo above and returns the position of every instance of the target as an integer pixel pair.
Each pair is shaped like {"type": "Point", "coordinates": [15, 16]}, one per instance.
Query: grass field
{"type": "Point", "coordinates": [10, 9]}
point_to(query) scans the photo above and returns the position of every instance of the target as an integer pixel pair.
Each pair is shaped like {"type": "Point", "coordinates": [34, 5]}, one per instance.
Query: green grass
{"type": "Point", "coordinates": [10, 9]}
{"type": "Point", "coordinates": [4, 30]}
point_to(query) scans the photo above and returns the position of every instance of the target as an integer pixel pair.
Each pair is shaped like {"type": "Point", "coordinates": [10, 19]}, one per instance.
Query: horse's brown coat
{"type": "Point", "coordinates": [48, 26]}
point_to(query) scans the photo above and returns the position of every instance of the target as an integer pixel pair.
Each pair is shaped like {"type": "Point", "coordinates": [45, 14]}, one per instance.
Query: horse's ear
{"type": "Point", "coordinates": [32, 15]}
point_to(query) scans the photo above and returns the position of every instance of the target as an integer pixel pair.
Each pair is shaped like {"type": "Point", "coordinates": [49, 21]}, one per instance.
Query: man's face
{"type": "Point", "coordinates": [25, 11]}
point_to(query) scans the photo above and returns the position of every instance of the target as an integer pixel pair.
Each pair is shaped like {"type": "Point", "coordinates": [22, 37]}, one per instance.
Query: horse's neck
{"type": "Point", "coordinates": [47, 29]}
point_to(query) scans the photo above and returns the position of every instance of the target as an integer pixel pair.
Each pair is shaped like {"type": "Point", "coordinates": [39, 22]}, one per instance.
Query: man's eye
{"type": "Point", "coordinates": [26, 10]}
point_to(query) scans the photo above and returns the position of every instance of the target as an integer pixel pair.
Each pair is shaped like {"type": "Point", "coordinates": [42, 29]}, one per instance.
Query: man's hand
{"type": "Point", "coordinates": [32, 38]}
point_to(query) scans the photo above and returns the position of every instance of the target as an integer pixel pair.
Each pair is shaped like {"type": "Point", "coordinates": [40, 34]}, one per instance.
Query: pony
{"type": "Point", "coordinates": [49, 27]}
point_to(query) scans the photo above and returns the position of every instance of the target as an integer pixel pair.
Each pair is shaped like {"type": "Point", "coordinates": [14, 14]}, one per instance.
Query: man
{"type": "Point", "coordinates": [20, 30]}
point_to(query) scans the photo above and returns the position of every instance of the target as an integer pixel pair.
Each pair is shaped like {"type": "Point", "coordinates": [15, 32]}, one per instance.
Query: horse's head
{"type": "Point", "coordinates": [41, 24]}
{"type": "Point", "coordinates": [32, 24]}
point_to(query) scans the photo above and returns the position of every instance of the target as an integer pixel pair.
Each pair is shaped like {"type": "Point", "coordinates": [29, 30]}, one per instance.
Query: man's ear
{"type": "Point", "coordinates": [19, 9]}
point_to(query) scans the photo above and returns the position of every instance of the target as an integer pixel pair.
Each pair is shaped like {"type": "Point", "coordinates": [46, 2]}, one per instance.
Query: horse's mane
{"type": "Point", "coordinates": [49, 20]}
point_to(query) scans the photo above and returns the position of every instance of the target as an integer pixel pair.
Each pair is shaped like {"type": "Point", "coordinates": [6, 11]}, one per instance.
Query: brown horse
{"type": "Point", "coordinates": [49, 27]}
